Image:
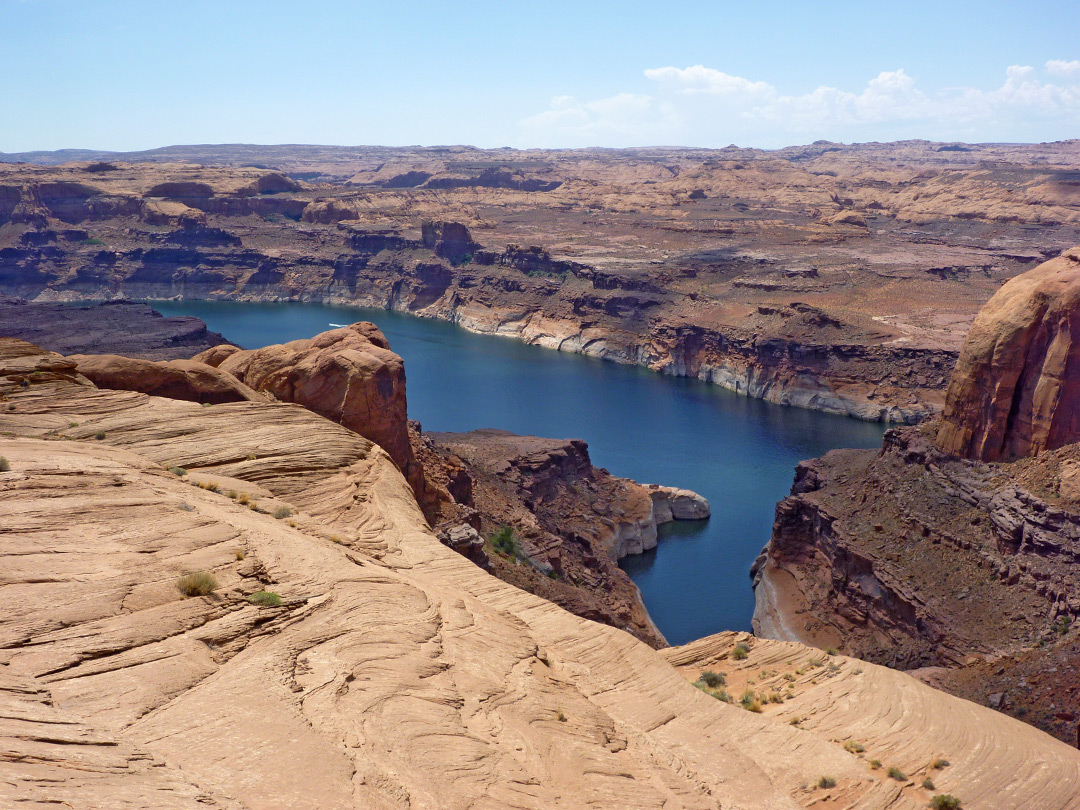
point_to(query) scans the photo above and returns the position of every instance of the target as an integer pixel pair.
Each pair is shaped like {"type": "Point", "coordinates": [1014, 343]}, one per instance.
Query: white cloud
{"type": "Point", "coordinates": [703, 106]}
{"type": "Point", "coordinates": [1059, 67]}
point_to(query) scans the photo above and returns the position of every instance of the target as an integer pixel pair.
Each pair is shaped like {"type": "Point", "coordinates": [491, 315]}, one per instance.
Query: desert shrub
{"type": "Point", "coordinates": [99, 435]}
{"type": "Point", "coordinates": [197, 584]}
{"type": "Point", "coordinates": [93, 241]}
{"type": "Point", "coordinates": [875, 764]}
{"type": "Point", "coordinates": [750, 702]}
{"type": "Point", "coordinates": [897, 774]}
{"type": "Point", "coordinates": [251, 456]}
{"type": "Point", "coordinates": [560, 717]}
{"type": "Point", "coordinates": [826, 782]}
{"type": "Point", "coordinates": [928, 783]}
{"type": "Point", "coordinates": [504, 542]}
{"type": "Point", "coordinates": [177, 470]}
{"type": "Point", "coordinates": [713, 679]}
{"type": "Point", "coordinates": [832, 651]}
{"type": "Point", "coordinates": [240, 554]}
{"type": "Point", "coordinates": [853, 747]}
{"type": "Point", "coordinates": [5, 465]}
{"type": "Point", "coordinates": [282, 512]}
{"type": "Point", "coordinates": [938, 764]}
{"type": "Point", "coordinates": [740, 652]}
{"type": "Point", "coordinates": [945, 801]}
{"type": "Point", "coordinates": [265, 599]}
{"type": "Point", "coordinates": [243, 498]}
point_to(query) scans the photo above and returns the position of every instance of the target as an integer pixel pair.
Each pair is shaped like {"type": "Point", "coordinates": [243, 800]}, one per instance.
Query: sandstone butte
{"type": "Point", "coordinates": [1016, 387]}
{"type": "Point", "coordinates": [394, 673]}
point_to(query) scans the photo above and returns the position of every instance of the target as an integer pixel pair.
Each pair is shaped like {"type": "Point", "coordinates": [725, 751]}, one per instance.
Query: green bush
{"type": "Point", "coordinates": [177, 470]}
{"type": "Point", "coordinates": [198, 584]}
{"type": "Point", "coordinates": [928, 783]}
{"type": "Point", "coordinates": [282, 512]}
{"type": "Point", "coordinates": [99, 435]}
{"type": "Point", "coordinates": [740, 652]}
{"type": "Point", "coordinates": [853, 747]}
{"type": "Point", "coordinates": [713, 679]}
{"type": "Point", "coordinates": [504, 541]}
{"type": "Point", "coordinates": [265, 599]}
{"type": "Point", "coordinates": [93, 241]}
{"type": "Point", "coordinates": [938, 764]}
{"type": "Point", "coordinates": [826, 782]}
{"type": "Point", "coordinates": [945, 801]}
{"type": "Point", "coordinates": [897, 774]}
{"type": "Point", "coordinates": [5, 465]}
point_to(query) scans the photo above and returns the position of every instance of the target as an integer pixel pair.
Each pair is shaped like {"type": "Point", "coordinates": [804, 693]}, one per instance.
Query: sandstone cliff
{"type": "Point", "coordinates": [914, 558]}
{"type": "Point", "coordinates": [393, 673]}
{"type": "Point", "coordinates": [841, 278]}
{"type": "Point", "coordinates": [1016, 388]}
{"type": "Point", "coordinates": [348, 375]}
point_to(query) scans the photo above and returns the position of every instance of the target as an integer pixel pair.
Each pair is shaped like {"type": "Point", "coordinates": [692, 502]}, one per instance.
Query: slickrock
{"type": "Point", "coordinates": [348, 375]}
{"type": "Point", "coordinates": [175, 379]}
{"type": "Point", "coordinates": [1016, 388]}
{"type": "Point", "coordinates": [394, 674]}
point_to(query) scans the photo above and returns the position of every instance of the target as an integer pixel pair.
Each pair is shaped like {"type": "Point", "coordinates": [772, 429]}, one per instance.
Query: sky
{"type": "Point", "coordinates": [122, 75]}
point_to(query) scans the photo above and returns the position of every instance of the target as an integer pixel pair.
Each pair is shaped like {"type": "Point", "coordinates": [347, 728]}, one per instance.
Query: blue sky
{"type": "Point", "coordinates": [119, 75]}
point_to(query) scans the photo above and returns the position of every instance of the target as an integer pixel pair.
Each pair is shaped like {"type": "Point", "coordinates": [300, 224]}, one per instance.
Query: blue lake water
{"type": "Point", "coordinates": [739, 453]}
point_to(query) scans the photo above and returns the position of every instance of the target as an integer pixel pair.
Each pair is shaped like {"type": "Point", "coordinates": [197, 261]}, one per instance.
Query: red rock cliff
{"type": "Point", "coordinates": [1016, 388]}
{"type": "Point", "coordinates": [348, 375]}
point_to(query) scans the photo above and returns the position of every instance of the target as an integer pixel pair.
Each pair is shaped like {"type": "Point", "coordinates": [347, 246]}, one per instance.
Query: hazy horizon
{"type": "Point", "coordinates": [119, 75]}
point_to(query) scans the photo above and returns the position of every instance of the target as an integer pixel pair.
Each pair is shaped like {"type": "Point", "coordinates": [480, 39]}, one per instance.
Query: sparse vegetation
{"type": "Point", "coordinates": [740, 652]}
{"type": "Point", "coordinates": [99, 435]}
{"type": "Point", "coordinates": [875, 764]}
{"type": "Point", "coordinates": [945, 801]}
{"type": "Point", "coordinates": [93, 241]}
{"type": "Point", "coordinates": [240, 554]}
{"type": "Point", "coordinates": [5, 465]}
{"type": "Point", "coordinates": [282, 512]}
{"type": "Point", "coordinates": [938, 764]}
{"type": "Point", "coordinates": [826, 782]}
{"type": "Point", "coordinates": [832, 651]}
{"type": "Point", "coordinates": [560, 717]}
{"type": "Point", "coordinates": [750, 702]}
{"type": "Point", "coordinates": [1061, 627]}
{"type": "Point", "coordinates": [197, 584]}
{"type": "Point", "coordinates": [897, 774]}
{"type": "Point", "coordinates": [243, 498]}
{"type": "Point", "coordinates": [713, 679]}
{"type": "Point", "coordinates": [928, 783]}
{"type": "Point", "coordinates": [265, 599]}
{"type": "Point", "coordinates": [504, 541]}
{"type": "Point", "coordinates": [853, 747]}
{"type": "Point", "coordinates": [251, 456]}
{"type": "Point", "coordinates": [177, 470]}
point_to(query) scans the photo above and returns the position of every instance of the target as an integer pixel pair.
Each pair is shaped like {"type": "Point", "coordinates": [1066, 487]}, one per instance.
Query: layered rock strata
{"type": "Point", "coordinates": [568, 521]}
{"type": "Point", "coordinates": [839, 277]}
{"type": "Point", "coordinates": [393, 673]}
{"type": "Point", "coordinates": [915, 558]}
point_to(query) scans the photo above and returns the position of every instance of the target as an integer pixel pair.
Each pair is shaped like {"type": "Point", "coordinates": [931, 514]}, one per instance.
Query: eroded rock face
{"type": "Point", "coordinates": [1016, 388]}
{"type": "Point", "coordinates": [175, 379]}
{"type": "Point", "coordinates": [348, 375]}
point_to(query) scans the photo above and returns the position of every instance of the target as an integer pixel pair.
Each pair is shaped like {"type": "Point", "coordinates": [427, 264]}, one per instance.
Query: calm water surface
{"type": "Point", "coordinates": [737, 452]}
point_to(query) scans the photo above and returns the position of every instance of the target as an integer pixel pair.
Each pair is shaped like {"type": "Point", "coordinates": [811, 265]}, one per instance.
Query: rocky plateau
{"type": "Point", "coordinates": [830, 276]}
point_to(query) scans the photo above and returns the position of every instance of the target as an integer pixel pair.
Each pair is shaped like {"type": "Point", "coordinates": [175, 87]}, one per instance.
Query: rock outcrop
{"type": "Point", "coordinates": [915, 558]}
{"type": "Point", "coordinates": [348, 375]}
{"type": "Point", "coordinates": [115, 327]}
{"type": "Point", "coordinates": [563, 522]}
{"type": "Point", "coordinates": [1016, 388]}
{"type": "Point", "coordinates": [175, 379]}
